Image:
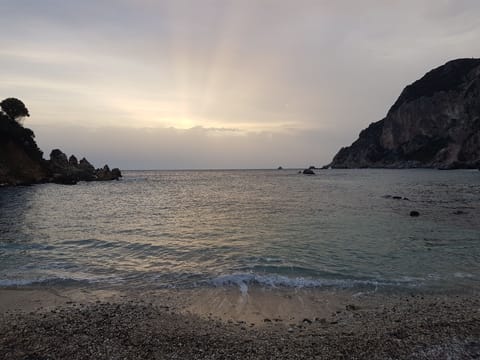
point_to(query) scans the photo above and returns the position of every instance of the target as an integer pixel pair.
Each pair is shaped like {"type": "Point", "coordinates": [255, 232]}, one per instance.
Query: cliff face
{"type": "Point", "coordinates": [435, 123]}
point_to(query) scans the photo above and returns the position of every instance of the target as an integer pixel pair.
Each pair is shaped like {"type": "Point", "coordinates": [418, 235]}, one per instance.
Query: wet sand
{"type": "Point", "coordinates": [219, 323]}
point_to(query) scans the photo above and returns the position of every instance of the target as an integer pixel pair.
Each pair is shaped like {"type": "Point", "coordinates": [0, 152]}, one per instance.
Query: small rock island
{"type": "Point", "coordinates": [435, 123]}
{"type": "Point", "coordinates": [22, 162]}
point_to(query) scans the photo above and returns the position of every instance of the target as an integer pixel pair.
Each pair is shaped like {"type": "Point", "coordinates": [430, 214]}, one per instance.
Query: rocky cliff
{"type": "Point", "coordinates": [435, 123]}
{"type": "Point", "coordinates": [21, 160]}
{"type": "Point", "coordinates": [22, 163]}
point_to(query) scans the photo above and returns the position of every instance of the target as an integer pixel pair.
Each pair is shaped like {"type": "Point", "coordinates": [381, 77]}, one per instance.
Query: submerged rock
{"type": "Point", "coordinates": [414, 213]}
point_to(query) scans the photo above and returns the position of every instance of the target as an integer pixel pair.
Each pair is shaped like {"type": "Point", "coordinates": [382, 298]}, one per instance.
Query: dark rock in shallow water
{"type": "Point", "coordinates": [395, 197]}
{"type": "Point", "coordinates": [308, 172]}
{"type": "Point", "coordinates": [116, 173]}
{"type": "Point", "coordinates": [105, 174]}
{"type": "Point", "coordinates": [435, 123]}
{"type": "Point", "coordinates": [414, 213]}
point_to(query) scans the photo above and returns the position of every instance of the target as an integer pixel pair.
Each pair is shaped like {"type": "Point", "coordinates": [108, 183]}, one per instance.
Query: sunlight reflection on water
{"type": "Point", "coordinates": [183, 228]}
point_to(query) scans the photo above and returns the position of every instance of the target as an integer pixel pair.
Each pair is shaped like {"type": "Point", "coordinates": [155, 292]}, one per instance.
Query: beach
{"type": "Point", "coordinates": [220, 323]}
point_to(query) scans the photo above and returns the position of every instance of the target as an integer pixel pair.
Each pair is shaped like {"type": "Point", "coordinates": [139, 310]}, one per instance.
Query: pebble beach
{"type": "Point", "coordinates": [84, 324]}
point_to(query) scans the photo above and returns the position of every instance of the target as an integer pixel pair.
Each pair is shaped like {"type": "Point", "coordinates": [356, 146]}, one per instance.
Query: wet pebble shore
{"type": "Point", "coordinates": [412, 328]}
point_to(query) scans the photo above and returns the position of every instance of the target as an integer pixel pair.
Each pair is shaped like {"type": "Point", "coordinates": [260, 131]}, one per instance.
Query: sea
{"type": "Point", "coordinates": [338, 229]}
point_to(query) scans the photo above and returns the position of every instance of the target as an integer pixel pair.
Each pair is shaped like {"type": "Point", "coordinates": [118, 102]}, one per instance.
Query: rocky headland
{"type": "Point", "coordinates": [22, 162]}
{"type": "Point", "coordinates": [435, 123]}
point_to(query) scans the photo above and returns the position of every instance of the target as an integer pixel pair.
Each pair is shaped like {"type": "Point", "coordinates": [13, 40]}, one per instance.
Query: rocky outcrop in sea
{"type": "Point", "coordinates": [435, 123]}
{"type": "Point", "coordinates": [70, 171]}
{"type": "Point", "coordinates": [22, 162]}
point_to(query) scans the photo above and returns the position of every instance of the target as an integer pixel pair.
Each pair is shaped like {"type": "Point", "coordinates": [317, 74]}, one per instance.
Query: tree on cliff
{"type": "Point", "coordinates": [14, 108]}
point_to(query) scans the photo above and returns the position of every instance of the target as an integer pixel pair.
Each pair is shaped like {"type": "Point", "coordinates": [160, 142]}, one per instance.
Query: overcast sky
{"type": "Point", "coordinates": [219, 83]}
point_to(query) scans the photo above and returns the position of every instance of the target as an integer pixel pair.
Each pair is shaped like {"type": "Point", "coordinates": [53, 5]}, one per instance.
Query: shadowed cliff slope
{"type": "Point", "coordinates": [21, 160]}
{"type": "Point", "coordinates": [435, 123]}
{"type": "Point", "coordinates": [22, 163]}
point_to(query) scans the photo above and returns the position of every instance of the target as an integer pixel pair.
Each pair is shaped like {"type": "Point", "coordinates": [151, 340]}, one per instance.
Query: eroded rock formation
{"type": "Point", "coordinates": [435, 123]}
{"type": "Point", "coordinates": [71, 171]}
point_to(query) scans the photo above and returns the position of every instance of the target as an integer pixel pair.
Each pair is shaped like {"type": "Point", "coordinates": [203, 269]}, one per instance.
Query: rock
{"type": "Point", "coordinates": [116, 173]}
{"type": "Point", "coordinates": [64, 179]}
{"type": "Point", "coordinates": [459, 212]}
{"type": "Point", "coordinates": [435, 123]}
{"type": "Point", "coordinates": [86, 166]}
{"type": "Point", "coordinates": [105, 174]}
{"type": "Point", "coordinates": [414, 213]}
{"type": "Point", "coordinates": [72, 160]}
{"type": "Point", "coordinates": [58, 161]}
{"type": "Point", "coordinates": [280, 168]}
{"type": "Point", "coordinates": [308, 172]}
{"type": "Point", "coordinates": [71, 171]}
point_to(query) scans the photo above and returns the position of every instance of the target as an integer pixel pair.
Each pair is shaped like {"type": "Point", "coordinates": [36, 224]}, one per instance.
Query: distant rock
{"type": "Point", "coordinates": [71, 171]}
{"type": "Point", "coordinates": [396, 197]}
{"type": "Point", "coordinates": [72, 160]}
{"type": "Point", "coordinates": [435, 123]}
{"type": "Point", "coordinates": [85, 166]}
{"type": "Point", "coordinates": [105, 174]}
{"type": "Point", "coordinates": [308, 172]}
{"type": "Point", "coordinates": [280, 168]}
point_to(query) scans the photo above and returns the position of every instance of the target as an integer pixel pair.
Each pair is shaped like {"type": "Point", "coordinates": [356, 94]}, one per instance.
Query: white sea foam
{"type": "Point", "coordinates": [273, 281]}
{"type": "Point", "coordinates": [462, 275]}
{"type": "Point", "coordinates": [56, 280]}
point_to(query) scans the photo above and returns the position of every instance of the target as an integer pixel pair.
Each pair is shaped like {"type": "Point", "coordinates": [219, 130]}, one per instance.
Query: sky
{"type": "Point", "coordinates": [206, 84]}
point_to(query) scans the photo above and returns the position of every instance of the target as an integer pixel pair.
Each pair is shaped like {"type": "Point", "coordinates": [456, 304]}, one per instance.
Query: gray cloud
{"type": "Point", "coordinates": [196, 148]}
{"type": "Point", "coordinates": [263, 67]}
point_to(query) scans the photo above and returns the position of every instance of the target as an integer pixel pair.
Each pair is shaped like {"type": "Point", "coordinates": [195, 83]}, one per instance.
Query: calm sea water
{"type": "Point", "coordinates": [338, 229]}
